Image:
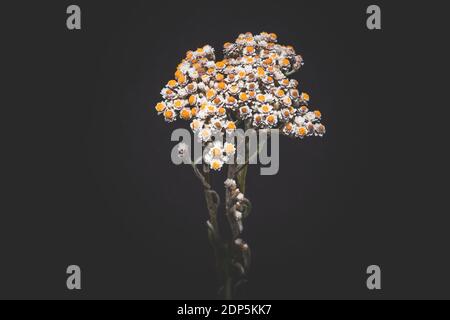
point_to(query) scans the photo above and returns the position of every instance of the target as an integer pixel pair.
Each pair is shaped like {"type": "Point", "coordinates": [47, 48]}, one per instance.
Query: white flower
{"type": "Point", "coordinates": [287, 101]}
{"type": "Point", "coordinates": [230, 127]}
{"type": "Point", "coordinates": [182, 93]}
{"type": "Point", "coordinates": [299, 120]}
{"type": "Point", "coordinates": [216, 152]}
{"type": "Point", "coordinates": [167, 93]}
{"type": "Point", "coordinates": [265, 108]}
{"type": "Point", "coordinates": [271, 120]}
{"type": "Point", "coordinates": [196, 125]}
{"type": "Point", "coordinates": [269, 98]}
{"type": "Point", "coordinates": [216, 164]}
{"type": "Point", "coordinates": [193, 74]}
{"type": "Point", "coordinates": [262, 43]}
{"type": "Point", "coordinates": [248, 69]}
{"type": "Point", "coordinates": [319, 129]}
{"type": "Point", "coordinates": [310, 116]}
{"type": "Point", "coordinates": [205, 79]}
{"type": "Point", "coordinates": [245, 112]}
{"type": "Point", "coordinates": [184, 67]}
{"type": "Point", "coordinates": [217, 124]}
{"type": "Point", "coordinates": [229, 149]}
{"type": "Point", "coordinates": [208, 49]}
{"type": "Point", "coordinates": [169, 115]}
{"type": "Point", "coordinates": [278, 75]}
{"type": "Point", "coordinates": [230, 184]}
{"type": "Point", "coordinates": [286, 114]}
{"type": "Point", "coordinates": [205, 134]}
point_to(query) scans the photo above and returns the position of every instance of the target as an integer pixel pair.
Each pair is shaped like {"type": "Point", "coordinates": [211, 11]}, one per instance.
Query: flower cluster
{"type": "Point", "coordinates": [249, 86]}
{"type": "Point", "coordinates": [216, 154]}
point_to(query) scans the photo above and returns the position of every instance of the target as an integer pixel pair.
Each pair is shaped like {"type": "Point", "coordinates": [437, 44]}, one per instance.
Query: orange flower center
{"type": "Point", "coordinates": [160, 107]}
{"type": "Point", "coordinates": [168, 114]}
{"type": "Point", "coordinates": [243, 96]}
{"type": "Point", "coordinates": [192, 100]}
{"type": "Point", "coordinates": [210, 94]}
{"type": "Point", "coordinates": [302, 131]}
{"type": "Point", "coordinates": [185, 114]}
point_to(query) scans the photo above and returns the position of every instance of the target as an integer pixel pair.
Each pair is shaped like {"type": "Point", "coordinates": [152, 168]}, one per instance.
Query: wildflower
{"type": "Point", "coordinates": [229, 149]}
{"type": "Point", "coordinates": [169, 115]}
{"type": "Point", "coordinates": [319, 129]}
{"type": "Point", "coordinates": [249, 88]}
{"type": "Point", "coordinates": [230, 127]}
{"type": "Point", "coordinates": [301, 132]}
{"type": "Point", "coordinates": [265, 108]}
{"type": "Point", "coordinates": [160, 107]}
{"type": "Point", "coordinates": [305, 97]}
{"type": "Point", "coordinates": [216, 164]}
{"type": "Point", "coordinates": [186, 114]}
{"type": "Point", "coordinates": [230, 184]}
{"type": "Point", "coordinates": [205, 134]}
{"type": "Point", "coordinates": [196, 125]}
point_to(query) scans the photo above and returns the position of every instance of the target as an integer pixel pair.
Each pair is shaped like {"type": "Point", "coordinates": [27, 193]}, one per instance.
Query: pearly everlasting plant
{"type": "Point", "coordinates": [249, 89]}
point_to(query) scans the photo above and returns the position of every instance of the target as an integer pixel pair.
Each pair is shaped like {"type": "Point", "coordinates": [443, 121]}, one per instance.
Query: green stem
{"type": "Point", "coordinates": [241, 178]}
{"type": "Point", "coordinates": [228, 289]}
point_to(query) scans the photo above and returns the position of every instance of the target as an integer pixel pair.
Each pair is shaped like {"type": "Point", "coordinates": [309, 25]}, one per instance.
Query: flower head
{"type": "Point", "coordinates": [251, 84]}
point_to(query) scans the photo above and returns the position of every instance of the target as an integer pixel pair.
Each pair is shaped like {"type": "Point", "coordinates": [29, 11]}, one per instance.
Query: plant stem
{"type": "Point", "coordinates": [223, 248]}
{"type": "Point", "coordinates": [228, 289]}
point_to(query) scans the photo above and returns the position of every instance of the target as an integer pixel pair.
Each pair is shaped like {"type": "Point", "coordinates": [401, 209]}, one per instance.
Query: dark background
{"type": "Point", "coordinates": [87, 161]}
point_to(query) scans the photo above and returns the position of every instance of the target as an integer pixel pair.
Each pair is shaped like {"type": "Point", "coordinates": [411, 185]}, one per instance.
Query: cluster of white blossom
{"type": "Point", "coordinates": [250, 85]}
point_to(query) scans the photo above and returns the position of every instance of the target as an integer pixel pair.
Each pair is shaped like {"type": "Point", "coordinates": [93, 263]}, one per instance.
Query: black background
{"type": "Point", "coordinates": [90, 182]}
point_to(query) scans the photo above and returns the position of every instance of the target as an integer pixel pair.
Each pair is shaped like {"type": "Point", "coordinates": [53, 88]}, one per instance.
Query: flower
{"type": "Point", "coordinates": [245, 112]}
{"type": "Point", "coordinates": [230, 184]}
{"type": "Point", "coordinates": [196, 125]}
{"type": "Point", "coordinates": [169, 115]}
{"type": "Point", "coordinates": [301, 132]}
{"type": "Point", "coordinates": [271, 120]}
{"type": "Point", "coordinates": [310, 116]}
{"type": "Point", "coordinates": [230, 126]}
{"type": "Point", "coordinates": [319, 129]}
{"type": "Point", "coordinates": [216, 164]}
{"type": "Point", "coordinates": [205, 134]}
{"type": "Point", "coordinates": [229, 149]}
{"type": "Point", "coordinates": [186, 114]}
